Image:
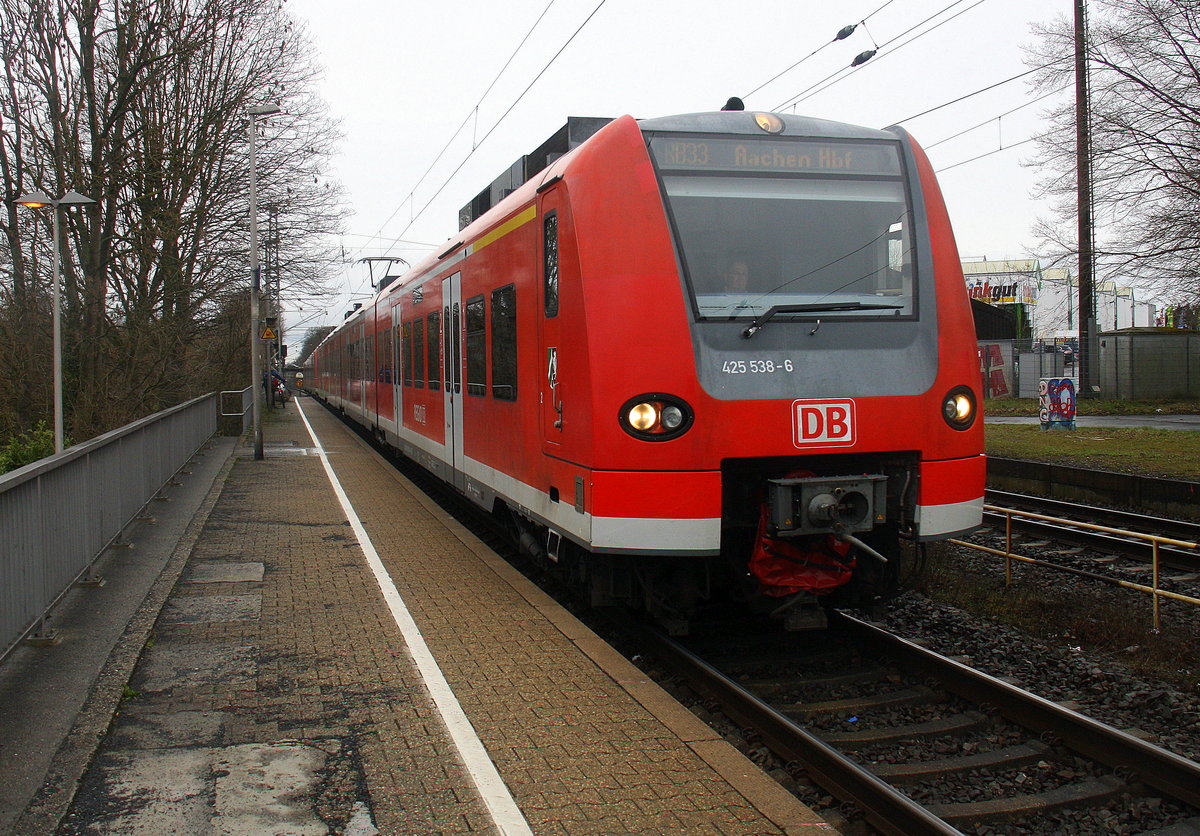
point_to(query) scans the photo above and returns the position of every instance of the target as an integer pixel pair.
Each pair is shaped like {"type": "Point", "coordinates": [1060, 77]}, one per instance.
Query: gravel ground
{"type": "Point", "coordinates": [1100, 684]}
{"type": "Point", "coordinates": [1097, 684]}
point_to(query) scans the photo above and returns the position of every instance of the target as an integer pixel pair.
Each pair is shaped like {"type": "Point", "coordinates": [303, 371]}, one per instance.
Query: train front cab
{"type": "Point", "coordinates": [846, 367]}
{"type": "Point", "coordinates": [672, 412]}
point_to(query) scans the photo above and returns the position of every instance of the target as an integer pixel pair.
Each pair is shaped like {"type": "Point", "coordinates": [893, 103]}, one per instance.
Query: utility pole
{"type": "Point", "coordinates": [271, 285]}
{"type": "Point", "coordinates": [275, 280]}
{"type": "Point", "coordinates": [1083, 165]}
{"type": "Point", "coordinates": [256, 361]}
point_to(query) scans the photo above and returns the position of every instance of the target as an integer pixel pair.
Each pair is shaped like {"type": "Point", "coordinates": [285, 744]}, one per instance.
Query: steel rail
{"type": "Point", "coordinates": [887, 809]}
{"type": "Point", "coordinates": [1130, 520]}
{"type": "Point", "coordinates": [1137, 535]}
{"type": "Point", "coordinates": [1165, 771]}
{"type": "Point", "coordinates": [1069, 531]}
{"type": "Point", "coordinates": [1155, 542]}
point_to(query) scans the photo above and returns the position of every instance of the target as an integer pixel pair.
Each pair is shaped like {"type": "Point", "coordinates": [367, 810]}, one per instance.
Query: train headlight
{"type": "Point", "coordinates": [655, 417]}
{"type": "Point", "coordinates": [769, 122]}
{"type": "Point", "coordinates": [643, 417]}
{"type": "Point", "coordinates": [958, 408]}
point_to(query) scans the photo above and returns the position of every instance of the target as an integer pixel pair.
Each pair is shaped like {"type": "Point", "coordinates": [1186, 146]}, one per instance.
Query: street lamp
{"type": "Point", "coordinates": [40, 200]}
{"type": "Point", "coordinates": [256, 370]}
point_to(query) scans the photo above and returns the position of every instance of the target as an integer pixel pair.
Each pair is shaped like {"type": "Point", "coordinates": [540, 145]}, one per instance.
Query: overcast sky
{"type": "Point", "coordinates": [403, 76]}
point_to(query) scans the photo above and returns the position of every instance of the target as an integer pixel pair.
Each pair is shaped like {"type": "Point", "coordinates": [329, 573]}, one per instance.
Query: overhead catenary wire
{"type": "Point", "coordinates": [994, 118]}
{"type": "Point", "coordinates": [422, 244]}
{"type": "Point", "coordinates": [842, 34]}
{"type": "Point", "coordinates": [473, 112]}
{"type": "Point", "coordinates": [990, 153]}
{"type": "Point", "coordinates": [503, 116]}
{"type": "Point", "coordinates": [843, 72]}
{"type": "Point", "coordinates": [833, 78]}
{"type": "Point", "coordinates": [981, 90]}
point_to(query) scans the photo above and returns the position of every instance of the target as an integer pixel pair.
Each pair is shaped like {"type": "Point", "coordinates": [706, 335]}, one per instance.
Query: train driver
{"type": "Point", "coordinates": [737, 277]}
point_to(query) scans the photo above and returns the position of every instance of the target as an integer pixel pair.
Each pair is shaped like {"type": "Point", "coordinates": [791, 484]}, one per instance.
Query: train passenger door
{"type": "Point", "coordinates": [552, 384]}
{"type": "Point", "coordinates": [397, 358]}
{"type": "Point", "coordinates": [452, 394]}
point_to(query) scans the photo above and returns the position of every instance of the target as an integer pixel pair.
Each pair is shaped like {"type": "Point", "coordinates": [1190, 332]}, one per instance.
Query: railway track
{"type": "Point", "coordinates": [951, 730]}
{"type": "Point", "coordinates": [1109, 517]}
{"type": "Point", "coordinates": [1178, 552]}
{"type": "Point", "coordinates": [919, 743]}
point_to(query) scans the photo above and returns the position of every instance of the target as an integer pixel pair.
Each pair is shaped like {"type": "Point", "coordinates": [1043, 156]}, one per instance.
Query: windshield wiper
{"type": "Point", "coordinates": [814, 308]}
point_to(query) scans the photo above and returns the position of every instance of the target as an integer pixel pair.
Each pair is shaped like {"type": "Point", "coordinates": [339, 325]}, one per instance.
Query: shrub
{"type": "Point", "coordinates": [29, 446]}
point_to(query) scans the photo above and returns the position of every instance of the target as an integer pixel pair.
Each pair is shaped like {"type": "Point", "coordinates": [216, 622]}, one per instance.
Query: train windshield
{"type": "Point", "coordinates": [811, 228]}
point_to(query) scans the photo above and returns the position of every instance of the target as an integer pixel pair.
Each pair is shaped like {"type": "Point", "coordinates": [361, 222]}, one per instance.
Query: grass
{"type": "Point", "coordinates": [1028, 407]}
{"type": "Point", "coordinates": [1174, 454]}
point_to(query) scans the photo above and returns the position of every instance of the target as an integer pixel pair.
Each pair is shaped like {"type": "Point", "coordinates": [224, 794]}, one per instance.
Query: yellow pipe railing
{"type": "Point", "coordinates": [1154, 540]}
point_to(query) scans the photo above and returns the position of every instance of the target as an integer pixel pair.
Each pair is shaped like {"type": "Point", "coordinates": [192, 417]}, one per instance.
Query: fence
{"type": "Point", "coordinates": [1130, 366]}
{"type": "Point", "coordinates": [1012, 368]}
{"type": "Point", "coordinates": [236, 410]}
{"type": "Point", "coordinates": [58, 514]}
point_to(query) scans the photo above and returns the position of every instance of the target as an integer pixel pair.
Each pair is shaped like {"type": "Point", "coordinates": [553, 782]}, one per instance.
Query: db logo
{"type": "Point", "coordinates": [823, 423]}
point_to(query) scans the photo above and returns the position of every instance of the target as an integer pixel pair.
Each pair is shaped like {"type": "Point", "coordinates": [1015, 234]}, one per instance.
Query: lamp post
{"type": "Point", "coordinates": [256, 367]}
{"type": "Point", "coordinates": [40, 200]}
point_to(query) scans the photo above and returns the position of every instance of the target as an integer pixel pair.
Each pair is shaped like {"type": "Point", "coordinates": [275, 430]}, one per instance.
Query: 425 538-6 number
{"type": "Point", "coordinates": [756, 366]}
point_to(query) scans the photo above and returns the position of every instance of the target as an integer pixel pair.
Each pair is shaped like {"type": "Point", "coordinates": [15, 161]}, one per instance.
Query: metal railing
{"type": "Point", "coordinates": [229, 398]}
{"type": "Point", "coordinates": [59, 514]}
{"type": "Point", "coordinates": [1154, 541]}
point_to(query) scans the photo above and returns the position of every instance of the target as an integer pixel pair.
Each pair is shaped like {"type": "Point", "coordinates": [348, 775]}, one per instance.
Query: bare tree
{"type": "Point", "coordinates": [1144, 57]}
{"type": "Point", "coordinates": [312, 339]}
{"type": "Point", "coordinates": [141, 104]}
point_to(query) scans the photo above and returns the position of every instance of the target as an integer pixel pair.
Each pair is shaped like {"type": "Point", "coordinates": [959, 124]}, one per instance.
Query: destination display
{"type": "Point", "coordinates": [673, 153]}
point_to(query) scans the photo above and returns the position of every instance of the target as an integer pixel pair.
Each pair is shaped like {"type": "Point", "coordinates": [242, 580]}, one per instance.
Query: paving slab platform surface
{"type": "Point", "coordinates": [275, 693]}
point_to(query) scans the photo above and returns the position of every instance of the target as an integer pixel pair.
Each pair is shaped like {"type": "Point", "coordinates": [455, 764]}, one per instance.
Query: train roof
{"type": "Point", "coordinates": [566, 139]}
{"type": "Point", "coordinates": [579, 129]}
{"type": "Point", "coordinates": [743, 122]}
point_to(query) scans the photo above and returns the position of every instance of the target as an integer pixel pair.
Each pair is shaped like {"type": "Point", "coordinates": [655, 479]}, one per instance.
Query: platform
{"type": "Point", "coordinates": [297, 668]}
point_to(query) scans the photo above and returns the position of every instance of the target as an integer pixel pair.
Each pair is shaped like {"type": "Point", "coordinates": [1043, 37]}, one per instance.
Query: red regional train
{"type": "Point", "coordinates": [709, 356]}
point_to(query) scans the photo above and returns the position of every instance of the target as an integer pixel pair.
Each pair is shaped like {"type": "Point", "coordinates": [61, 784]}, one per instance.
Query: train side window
{"type": "Point", "coordinates": [476, 328]}
{"type": "Point", "coordinates": [504, 343]}
{"type": "Point", "coordinates": [435, 354]}
{"type": "Point", "coordinates": [418, 331]}
{"type": "Point", "coordinates": [550, 265]}
{"type": "Point", "coordinates": [407, 348]}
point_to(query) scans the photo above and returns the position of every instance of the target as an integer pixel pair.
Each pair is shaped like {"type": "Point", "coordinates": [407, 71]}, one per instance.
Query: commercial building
{"type": "Point", "coordinates": [1045, 301]}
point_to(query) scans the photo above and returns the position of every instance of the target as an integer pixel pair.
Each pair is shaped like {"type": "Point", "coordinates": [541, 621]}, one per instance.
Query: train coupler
{"type": "Point", "coordinates": [838, 505]}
